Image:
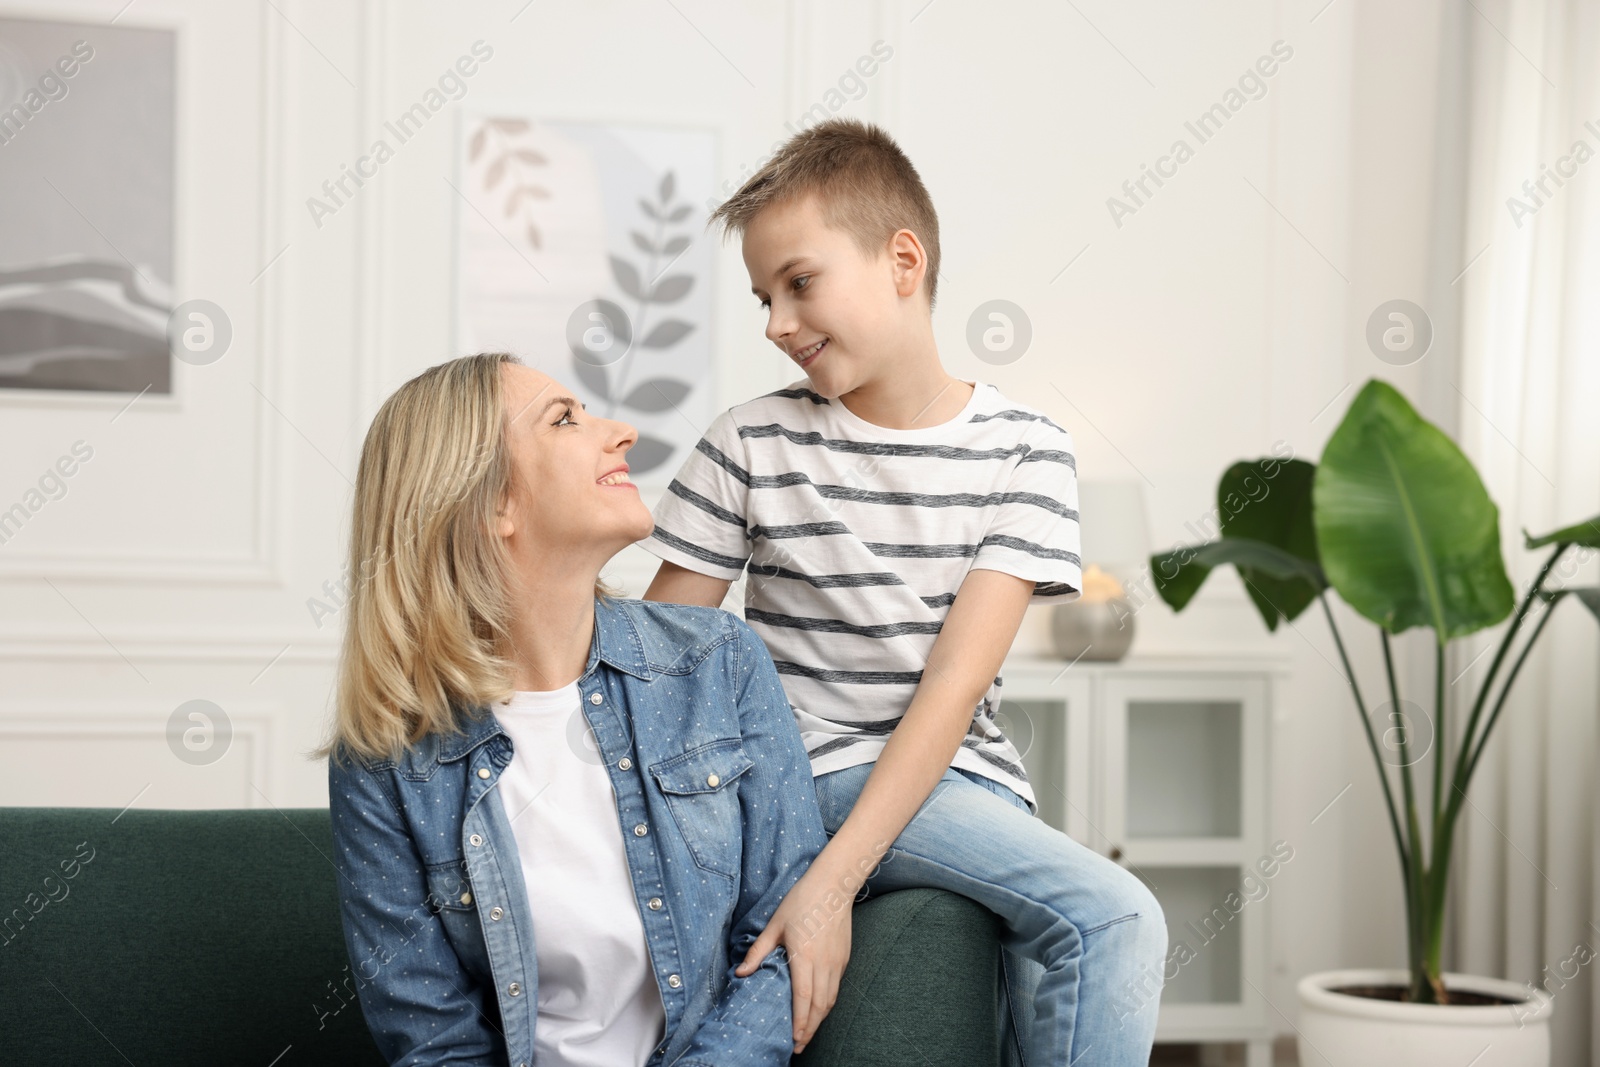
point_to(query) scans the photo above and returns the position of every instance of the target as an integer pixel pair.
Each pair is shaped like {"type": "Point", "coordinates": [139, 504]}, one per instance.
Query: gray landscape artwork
{"type": "Point", "coordinates": [86, 206]}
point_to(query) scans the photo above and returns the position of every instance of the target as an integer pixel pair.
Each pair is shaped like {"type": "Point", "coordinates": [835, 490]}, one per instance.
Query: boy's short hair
{"type": "Point", "coordinates": [867, 186]}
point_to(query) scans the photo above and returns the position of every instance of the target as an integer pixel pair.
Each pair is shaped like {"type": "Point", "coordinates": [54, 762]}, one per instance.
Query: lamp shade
{"type": "Point", "coordinates": [1114, 529]}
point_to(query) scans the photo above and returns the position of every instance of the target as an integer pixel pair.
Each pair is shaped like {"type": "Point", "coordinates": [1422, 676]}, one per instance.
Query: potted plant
{"type": "Point", "coordinates": [1396, 520]}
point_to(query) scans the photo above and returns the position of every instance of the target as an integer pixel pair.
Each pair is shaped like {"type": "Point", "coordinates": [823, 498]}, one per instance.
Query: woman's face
{"type": "Point", "coordinates": [570, 493]}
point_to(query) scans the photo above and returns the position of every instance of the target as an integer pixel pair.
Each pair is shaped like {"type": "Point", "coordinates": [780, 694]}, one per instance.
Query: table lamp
{"type": "Point", "coordinates": [1115, 541]}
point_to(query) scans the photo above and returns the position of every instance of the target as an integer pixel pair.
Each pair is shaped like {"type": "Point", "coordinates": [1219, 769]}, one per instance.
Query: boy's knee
{"type": "Point", "coordinates": [1150, 907]}
{"type": "Point", "coordinates": [1131, 901]}
{"type": "Point", "coordinates": [1128, 891]}
{"type": "Point", "coordinates": [1155, 922]}
{"type": "Point", "coordinates": [1142, 901]}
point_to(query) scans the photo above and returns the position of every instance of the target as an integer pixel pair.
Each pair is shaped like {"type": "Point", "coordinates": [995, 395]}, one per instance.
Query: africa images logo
{"type": "Point", "coordinates": [1252, 85]}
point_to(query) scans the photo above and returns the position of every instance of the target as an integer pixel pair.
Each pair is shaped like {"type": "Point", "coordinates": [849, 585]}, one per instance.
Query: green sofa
{"type": "Point", "coordinates": [212, 938]}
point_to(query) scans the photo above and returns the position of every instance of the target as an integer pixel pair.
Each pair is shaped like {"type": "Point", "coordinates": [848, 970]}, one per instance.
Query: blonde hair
{"type": "Point", "coordinates": [429, 615]}
{"type": "Point", "coordinates": [867, 186]}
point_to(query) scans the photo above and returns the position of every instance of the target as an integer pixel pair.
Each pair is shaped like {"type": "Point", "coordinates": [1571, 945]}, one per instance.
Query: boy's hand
{"type": "Point", "coordinates": [813, 925]}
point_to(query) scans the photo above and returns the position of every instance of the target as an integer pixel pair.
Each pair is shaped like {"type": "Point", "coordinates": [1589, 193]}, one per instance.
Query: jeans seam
{"type": "Point", "coordinates": [1109, 922]}
{"type": "Point", "coordinates": [1014, 1013]}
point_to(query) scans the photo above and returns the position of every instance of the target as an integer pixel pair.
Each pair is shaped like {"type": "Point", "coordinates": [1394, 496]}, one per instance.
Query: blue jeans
{"type": "Point", "coordinates": [1085, 941]}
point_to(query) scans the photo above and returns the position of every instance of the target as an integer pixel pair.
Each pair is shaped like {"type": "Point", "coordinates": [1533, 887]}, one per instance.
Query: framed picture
{"type": "Point", "coordinates": [581, 248]}
{"type": "Point", "coordinates": [87, 117]}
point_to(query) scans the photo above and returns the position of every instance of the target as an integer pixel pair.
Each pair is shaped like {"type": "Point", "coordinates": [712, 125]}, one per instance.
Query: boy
{"type": "Point", "coordinates": [896, 522]}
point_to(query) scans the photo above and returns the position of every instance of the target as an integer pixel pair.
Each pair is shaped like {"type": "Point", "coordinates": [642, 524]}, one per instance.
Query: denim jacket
{"type": "Point", "coordinates": [719, 816]}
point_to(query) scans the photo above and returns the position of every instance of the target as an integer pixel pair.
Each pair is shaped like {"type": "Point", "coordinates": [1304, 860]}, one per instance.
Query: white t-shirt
{"type": "Point", "coordinates": [857, 539]}
{"type": "Point", "coordinates": [599, 1005]}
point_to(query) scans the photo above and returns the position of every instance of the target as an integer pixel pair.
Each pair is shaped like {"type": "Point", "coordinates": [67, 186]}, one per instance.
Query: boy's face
{"type": "Point", "coordinates": [820, 290]}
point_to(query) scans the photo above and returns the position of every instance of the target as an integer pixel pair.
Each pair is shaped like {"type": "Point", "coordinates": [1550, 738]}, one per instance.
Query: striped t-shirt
{"type": "Point", "coordinates": [857, 538]}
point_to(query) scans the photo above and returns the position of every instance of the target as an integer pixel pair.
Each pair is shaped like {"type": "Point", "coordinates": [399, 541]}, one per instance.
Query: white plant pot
{"type": "Point", "coordinates": [1340, 1030]}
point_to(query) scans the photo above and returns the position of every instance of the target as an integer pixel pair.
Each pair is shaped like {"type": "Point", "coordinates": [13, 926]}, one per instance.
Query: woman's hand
{"type": "Point", "coordinates": [813, 926]}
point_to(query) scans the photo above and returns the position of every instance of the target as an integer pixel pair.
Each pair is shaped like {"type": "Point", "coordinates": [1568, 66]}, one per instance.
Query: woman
{"type": "Point", "coordinates": [557, 815]}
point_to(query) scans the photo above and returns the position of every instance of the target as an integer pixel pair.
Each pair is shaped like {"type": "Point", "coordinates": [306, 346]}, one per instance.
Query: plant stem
{"type": "Point", "coordinates": [1421, 990]}
{"type": "Point", "coordinates": [1444, 839]}
{"type": "Point", "coordinates": [1440, 733]}
{"type": "Point", "coordinates": [1439, 864]}
{"type": "Point", "coordinates": [1366, 725]}
{"type": "Point", "coordinates": [1460, 775]}
{"type": "Point", "coordinates": [1505, 691]}
{"type": "Point", "coordinates": [1469, 754]}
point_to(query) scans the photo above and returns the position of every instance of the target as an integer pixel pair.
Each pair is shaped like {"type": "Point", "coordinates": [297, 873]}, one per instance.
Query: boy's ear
{"type": "Point", "coordinates": [907, 261]}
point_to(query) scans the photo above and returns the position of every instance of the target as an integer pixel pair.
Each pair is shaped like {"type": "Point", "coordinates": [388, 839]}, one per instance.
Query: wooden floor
{"type": "Point", "coordinates": [1283, 1055]}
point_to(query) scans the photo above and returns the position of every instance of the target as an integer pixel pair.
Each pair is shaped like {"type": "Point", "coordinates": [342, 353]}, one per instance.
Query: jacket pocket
{"type": "Point", "coordinates": [451, 898]}
{"type": "Point", "coordinates": [700, 793]}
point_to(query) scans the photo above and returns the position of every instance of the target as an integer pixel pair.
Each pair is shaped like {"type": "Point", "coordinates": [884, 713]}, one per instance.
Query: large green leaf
{"type": "Point", "coordinates": [1180, 573]}
{"type": "Point", "coordinates": [1588, 596]}
{"type": "Point", "coordinates": [1269, 500]}
{"type": "Point", "coordinates": [1586, 534]}
{"type": "Point", "coordinates": [1406, 531]}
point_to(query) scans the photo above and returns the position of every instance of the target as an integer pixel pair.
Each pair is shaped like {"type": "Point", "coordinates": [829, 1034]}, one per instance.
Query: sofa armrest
{"type": "Point", "coordinates": [922, 987]}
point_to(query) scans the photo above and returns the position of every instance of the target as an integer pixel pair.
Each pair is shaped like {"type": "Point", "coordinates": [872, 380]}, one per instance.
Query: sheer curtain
{"type": "Point", "coordinates": [1529, 417]}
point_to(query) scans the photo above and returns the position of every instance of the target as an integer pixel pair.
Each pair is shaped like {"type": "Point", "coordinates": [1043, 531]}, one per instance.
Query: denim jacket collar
{"type": "Point", "coordinates": [616, 641]}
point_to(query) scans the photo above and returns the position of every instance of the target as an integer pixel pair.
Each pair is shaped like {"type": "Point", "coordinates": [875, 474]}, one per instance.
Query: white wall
{"type": "Point", "coordinates": [1222, 317]}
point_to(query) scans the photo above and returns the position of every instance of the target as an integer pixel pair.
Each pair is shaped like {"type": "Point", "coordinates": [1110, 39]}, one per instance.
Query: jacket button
{"type": "Point", "coordinates": [655, 904]}
{"type": "Point", "coordinates": [476, 839]}
{"type": "Point", "coordinates": [496, 914]}
{"type": "Point", "coordinates": [483, 772]}
{"type": "Point", "coordinates": [640, 830]}
{"type": "Point", "coordinates": [712, 781]}
{"type": "Point", "coordinates": [515, 989]}
{"type": "Point", "coordinates": [595, 698]}
{"type": "Point", "coordinates": [624, 763]}
{"type": "Point", "coordinates": [466, 898]}
{"type": "Point", "coordinates": [674, 981]}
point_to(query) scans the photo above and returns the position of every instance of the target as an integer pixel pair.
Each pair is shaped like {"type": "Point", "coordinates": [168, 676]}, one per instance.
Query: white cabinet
{"type": "Point", "coordinates": [1161, 764]}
